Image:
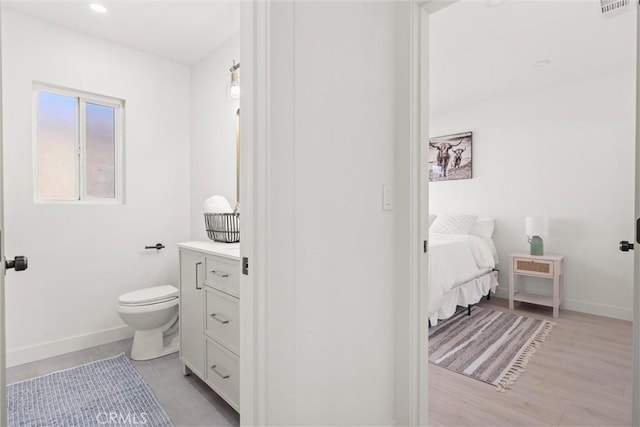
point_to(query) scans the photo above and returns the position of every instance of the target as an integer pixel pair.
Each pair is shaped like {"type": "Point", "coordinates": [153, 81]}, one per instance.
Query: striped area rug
{"type": "Point", "coordinates": [490, 346]}
{"type": "Point", "coordinates": [108, 392]}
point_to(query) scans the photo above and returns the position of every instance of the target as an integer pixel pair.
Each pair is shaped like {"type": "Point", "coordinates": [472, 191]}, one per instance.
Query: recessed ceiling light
{"type": "Point", "coordinates": [542, 63]}
{"type": "Point", "coordinates": [495, 2]}
{"type": "Point", "coordinates": [97, 7]}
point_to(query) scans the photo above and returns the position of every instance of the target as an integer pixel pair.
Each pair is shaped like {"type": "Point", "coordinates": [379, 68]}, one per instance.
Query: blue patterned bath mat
{"type": "Point", "coordinates": [108, 392]}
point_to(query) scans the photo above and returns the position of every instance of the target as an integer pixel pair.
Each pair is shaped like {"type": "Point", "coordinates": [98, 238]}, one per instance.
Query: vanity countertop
{"type": "Point", "coordinates": [226, 250]}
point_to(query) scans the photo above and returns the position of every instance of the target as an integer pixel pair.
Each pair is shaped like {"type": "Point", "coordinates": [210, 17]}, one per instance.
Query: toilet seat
{"type": "Point", "coordinates": [149, 296]}
{"type": "Point", "coordinates": [146, 308]}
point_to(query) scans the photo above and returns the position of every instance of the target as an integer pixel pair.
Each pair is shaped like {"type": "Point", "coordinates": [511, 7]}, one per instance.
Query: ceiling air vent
{"type": "Point", "coordinates": [610, 8]}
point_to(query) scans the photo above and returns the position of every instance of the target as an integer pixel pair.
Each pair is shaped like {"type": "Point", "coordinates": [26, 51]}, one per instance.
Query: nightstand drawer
{"type": "Point", "coordinates": [533, 267]}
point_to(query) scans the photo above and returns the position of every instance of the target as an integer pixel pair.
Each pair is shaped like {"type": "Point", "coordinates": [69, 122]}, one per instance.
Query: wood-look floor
{"type": "Point", "coordinates": [580, 376]}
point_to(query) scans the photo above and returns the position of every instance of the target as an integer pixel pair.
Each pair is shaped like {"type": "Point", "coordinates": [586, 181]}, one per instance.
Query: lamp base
{"type": "Point", "coordinates": [536, 246]}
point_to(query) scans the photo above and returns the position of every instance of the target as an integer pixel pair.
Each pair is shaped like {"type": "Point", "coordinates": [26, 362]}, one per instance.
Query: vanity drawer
{"type": "Point", "coordinates": [223, 274]}
{"type": "Point", "coordinates": [533, 267]}
{"type": "Point", "coordinates": [223, 373]}
{"type": "Point", "coordinates": [223, 319]}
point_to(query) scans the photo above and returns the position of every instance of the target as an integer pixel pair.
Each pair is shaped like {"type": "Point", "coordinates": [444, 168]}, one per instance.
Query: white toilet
{"type": "Point", "coordinates": [153, 314]}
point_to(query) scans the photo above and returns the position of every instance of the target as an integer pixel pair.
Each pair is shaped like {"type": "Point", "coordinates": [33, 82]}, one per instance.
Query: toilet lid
{"type": "Point", "coordinates": [156, 294]}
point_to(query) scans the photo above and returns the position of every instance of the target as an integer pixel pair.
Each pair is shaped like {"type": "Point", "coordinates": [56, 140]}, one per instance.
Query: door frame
{"type": "Point", "coordinates": [3, 349]}
{"type": "Point", "coordinates": [254, 326]}
{"type": "Point", "coordinates": [635, 420]}
{"type": "Point", "coordinates": [419, 213]}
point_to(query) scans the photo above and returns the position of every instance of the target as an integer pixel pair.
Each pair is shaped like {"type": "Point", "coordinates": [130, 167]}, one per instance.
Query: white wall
{"type": "Point", "coordinates": [213, 132]}
{"type": "Point", "coordinates": [566, 153]}
{"type": "Point", "coordinates": [83, 257]}
{"type": "Point", "coordinates": [330, 255]}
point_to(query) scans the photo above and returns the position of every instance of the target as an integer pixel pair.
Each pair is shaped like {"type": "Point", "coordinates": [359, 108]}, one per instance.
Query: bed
{"type": "Point", "coordinates": [462, 264]}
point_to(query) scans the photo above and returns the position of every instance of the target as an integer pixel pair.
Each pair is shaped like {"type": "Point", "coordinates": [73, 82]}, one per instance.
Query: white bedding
{"type": "Point", "coordinates": [455, 259]}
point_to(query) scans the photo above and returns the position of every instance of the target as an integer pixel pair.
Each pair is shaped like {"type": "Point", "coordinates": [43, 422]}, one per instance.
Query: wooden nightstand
{"type": "Point", "coordinates": [546, 267]}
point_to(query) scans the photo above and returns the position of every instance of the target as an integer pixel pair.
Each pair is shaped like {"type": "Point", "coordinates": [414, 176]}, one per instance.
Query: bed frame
{"type": "Point", "coordinates": [496, 271]}
{"type": "Point", "coordinates": [468, 306]}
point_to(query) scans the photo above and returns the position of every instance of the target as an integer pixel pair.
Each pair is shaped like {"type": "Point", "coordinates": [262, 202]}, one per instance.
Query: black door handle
{"type": "Point", "coordinates": [19, 263]}
{"type": "Point", "coordinates": [626, 246]}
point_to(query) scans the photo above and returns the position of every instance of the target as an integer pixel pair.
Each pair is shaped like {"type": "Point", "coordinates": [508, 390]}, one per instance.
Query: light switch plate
{"type": "Point", "coordinates": [387, 198]}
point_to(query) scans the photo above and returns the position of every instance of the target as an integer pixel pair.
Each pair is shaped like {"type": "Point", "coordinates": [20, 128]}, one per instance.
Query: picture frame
{"type": "Point", "coordinates": [450, 157]}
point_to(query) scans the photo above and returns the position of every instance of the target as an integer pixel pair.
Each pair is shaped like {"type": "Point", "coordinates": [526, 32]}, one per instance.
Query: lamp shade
{"type": "Point", "coordinates": [536, 226]}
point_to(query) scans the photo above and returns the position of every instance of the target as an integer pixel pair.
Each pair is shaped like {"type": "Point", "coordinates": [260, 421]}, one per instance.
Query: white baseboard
{"type": "Point", "coordinates": [597, 309]}
{"type": "Point", "coordinates": [501, 293]}
{"type": "Point", "coordinates": [585, 307]}
{"type": "Point", "coordinates": [23, 355]}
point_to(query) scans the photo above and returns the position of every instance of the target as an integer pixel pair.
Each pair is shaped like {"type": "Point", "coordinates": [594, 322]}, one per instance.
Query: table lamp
{"type": "Point", "coordinates": [536, 227]}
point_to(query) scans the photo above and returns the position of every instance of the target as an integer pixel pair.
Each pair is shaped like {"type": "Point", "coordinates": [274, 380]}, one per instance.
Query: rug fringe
{"type": "Point", "coordinates": [521, 362]}
{"type": "Point", "coordinates": [517, 369]}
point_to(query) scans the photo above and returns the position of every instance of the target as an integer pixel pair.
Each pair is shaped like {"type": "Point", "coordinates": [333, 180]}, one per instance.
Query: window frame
{"type": "Point", "coordinates": [81, 99]}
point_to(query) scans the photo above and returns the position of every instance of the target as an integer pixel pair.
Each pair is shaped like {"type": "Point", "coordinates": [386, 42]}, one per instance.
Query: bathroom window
{"type": "Point", "coordinates": [78, 146]}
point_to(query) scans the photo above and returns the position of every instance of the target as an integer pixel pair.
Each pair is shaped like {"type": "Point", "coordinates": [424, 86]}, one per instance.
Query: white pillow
{"type": "Point", "coordinates": [453, 224]}
{"type": "Point", "coordinates": [483, 227]}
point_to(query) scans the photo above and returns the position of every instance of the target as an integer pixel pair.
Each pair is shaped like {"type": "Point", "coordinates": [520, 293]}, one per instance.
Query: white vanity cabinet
{"type": "Point", "coordinates": [210, 315]}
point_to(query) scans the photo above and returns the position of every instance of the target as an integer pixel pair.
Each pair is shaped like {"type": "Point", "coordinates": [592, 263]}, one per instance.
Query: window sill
{"type": "Point", "coordinates": [79, 202]}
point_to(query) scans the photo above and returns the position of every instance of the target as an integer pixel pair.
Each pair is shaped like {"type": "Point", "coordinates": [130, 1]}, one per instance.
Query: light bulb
{"type": "Point", "coordinates": [234, 91]}
{"type": "Point", "coordinates": [234, 86]}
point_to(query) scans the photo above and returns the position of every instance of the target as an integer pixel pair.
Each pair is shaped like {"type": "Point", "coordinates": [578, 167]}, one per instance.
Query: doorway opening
{"type": "Point", "coordinates": [168, 68]}
{"type": "Point", "coordinates": [522, 97]}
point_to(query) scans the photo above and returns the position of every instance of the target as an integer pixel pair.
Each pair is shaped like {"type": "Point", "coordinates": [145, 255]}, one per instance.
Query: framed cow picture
{"type": "Point", "coordinates": [450, 157]}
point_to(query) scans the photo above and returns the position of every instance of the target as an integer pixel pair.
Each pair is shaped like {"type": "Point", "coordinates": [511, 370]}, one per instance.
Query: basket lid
{"type": "Point", "coordinates": [155, 294]}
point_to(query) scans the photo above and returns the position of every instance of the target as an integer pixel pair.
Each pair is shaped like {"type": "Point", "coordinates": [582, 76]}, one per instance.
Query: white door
{"type": "Point", "coordinates": [17, 263]}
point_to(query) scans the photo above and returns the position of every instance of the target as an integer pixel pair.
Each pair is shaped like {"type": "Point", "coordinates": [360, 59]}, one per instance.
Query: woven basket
{"type": "Point", "coordinates": [223, 227]}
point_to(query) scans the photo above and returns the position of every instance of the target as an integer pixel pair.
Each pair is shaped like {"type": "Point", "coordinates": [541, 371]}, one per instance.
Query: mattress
{"type": "Point", "coordinates": [456, 260]}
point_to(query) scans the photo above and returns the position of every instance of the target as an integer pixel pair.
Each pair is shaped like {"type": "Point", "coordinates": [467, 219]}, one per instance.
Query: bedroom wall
{"type": "Point", "coordinates": [567, 153]}
{"type": "Point", "coordinates": [213, 132]}
{"type": "Point", "coordinates": [82, 257]}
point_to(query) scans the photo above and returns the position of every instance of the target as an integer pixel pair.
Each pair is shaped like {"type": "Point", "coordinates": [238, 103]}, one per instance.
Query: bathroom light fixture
{"type": "Point", "coordinates": [97, 7]}
{"type": "Point", "coordinates": [234, 86]}
{"type": "Point", "coordinates": [536, 227]}
{"type": "Point", "coordinates": [542, 63]}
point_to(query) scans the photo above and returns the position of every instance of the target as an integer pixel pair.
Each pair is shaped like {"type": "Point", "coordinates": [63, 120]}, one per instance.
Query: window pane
{"type": "Point", "coordinates": [100, 151]}
{"type": "Point", "coordinates": [56, 139]}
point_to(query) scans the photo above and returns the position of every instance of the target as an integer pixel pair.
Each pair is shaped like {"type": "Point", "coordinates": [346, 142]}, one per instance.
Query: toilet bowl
{"type": "Point", "coordinates": [153, 314]}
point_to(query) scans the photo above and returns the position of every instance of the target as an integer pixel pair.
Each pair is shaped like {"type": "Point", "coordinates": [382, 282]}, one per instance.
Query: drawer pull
{"type": "Point", "coordinates": [221, 374]}
{"type": "Point", "coordinates": [219, 318]}
{"type": "Point", "coordinates": [220, 273]}
{"type": "Point", "coordinates": [198, 264]}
